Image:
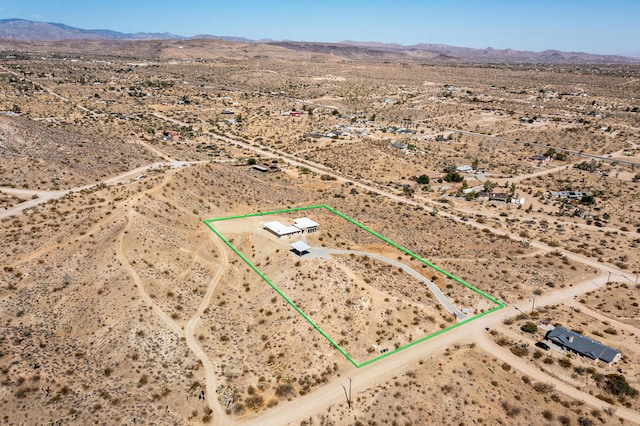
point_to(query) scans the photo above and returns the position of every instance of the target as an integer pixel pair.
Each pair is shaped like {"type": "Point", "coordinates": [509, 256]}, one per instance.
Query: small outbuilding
{"type": "Point", "coordinates": [300, 248]}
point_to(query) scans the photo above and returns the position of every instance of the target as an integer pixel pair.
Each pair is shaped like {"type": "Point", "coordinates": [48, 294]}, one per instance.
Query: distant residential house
{"type": "Point", "coordinates": [569, 195]}
{"type": "Point", "coordinates": [483, 195]}
{"type": "Point", "coordinates": [539, 159]}
{"type": "Point", "coordinates": [583, 345]}
{"type": "Point", "coordinates": [399, 145]}
{"type": "Point", "coordinates": [227, 112]}
{"type": "Point", "coordinates": [314, 135]}
{"type": "Point", "coordinates": [266, 167]}
{"type": "Point", "coordinates": [475, 189]}
{"type": "Point", "coordinates": [295, 113]}
{"type": "Point", "coordinates": [464, 169]}
{"type": "Point", "coordinates": [501, 197]}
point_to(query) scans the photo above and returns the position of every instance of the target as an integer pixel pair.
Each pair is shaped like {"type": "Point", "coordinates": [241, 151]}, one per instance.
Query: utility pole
{"type": "Point", "coordinates": [533, 303]}
{"type": "Point", "coordinates": [348, 396]}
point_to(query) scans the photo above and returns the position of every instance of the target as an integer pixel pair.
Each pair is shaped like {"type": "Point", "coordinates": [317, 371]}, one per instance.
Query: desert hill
{"type": "Point", "coordinates": [25, 30]}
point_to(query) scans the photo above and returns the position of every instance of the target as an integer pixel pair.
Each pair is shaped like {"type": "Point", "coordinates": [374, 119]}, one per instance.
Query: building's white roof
{"type": "Point", "coordinates": [300, 246]}
{"type": "Point", "coordinates": [305, 223]}
{"type": "Point", "coordinates": [280, 229]}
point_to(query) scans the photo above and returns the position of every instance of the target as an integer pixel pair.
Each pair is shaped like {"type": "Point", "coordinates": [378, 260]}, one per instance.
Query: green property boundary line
{"type": "Point", "coordinates": [499, 304]}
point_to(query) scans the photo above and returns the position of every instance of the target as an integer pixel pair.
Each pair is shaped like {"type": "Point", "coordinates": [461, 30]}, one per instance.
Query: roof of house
{"type": "Point", "coordinates": [539, 157]}
{"type": "Point", "coordinates": [300, 246]}
{"type": "Point", "coordinates": [304, 223]}
{"type": "Point", "coordinates": [280, 229]}
{"type": "Point", "coordinates": [582, 344]}
{"type": "Point", "coordinates": [500, 196]}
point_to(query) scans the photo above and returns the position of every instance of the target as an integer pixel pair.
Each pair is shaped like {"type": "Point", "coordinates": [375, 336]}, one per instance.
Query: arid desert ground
{"type": "Point", "coordinates": [119, 304]}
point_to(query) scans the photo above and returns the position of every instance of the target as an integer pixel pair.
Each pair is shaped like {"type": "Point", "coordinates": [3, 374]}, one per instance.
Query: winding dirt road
{"type": "Point", "coordinates": [192, 342]}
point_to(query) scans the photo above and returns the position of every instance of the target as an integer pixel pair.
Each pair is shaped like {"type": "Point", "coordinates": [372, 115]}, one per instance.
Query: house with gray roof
{"type": "Point", "coordinates": [583, 345]}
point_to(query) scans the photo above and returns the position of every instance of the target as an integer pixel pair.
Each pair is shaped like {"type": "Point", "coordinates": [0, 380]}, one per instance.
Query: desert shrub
{"type": "Point", "coordinates": [510, 409]}
{"type": "Point", "coordinates": [616, 384]}
{"type": "Point", "coordinates": [254, 402]}
{"type": "Point", "coordinates": [519, 350]}
{"type": "Point", "coordinates": [447, 388]}
{"type": "Point", "coordinates": [144, 379]}
{"type": "Point", "coordinates": [283, 390]}
{"type": "Point", "coordinates": [606, 398]}
{"type": "Point", "coordinates": [502, 341]}
{"type": "Point", "coordinates": [506, 367]}
{"type": "Point", "coordinates": [597, 377]}
{"type": "Point", "coordinates": [564, 420]}
{"type": "Point", "coordinates": [543, 387]}
{"type": "Point", "coordinates": [529, 327]}
{"type": "Point", "coordinates": [548, 415]}
{"type": "Point", "coordinates": [585, 421]}
{"type": "Point", "coordinates": [565, 362]}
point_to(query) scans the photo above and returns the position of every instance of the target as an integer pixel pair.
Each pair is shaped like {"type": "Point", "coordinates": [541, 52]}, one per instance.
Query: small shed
{"type": "Point", "coordinates": [300, 248]}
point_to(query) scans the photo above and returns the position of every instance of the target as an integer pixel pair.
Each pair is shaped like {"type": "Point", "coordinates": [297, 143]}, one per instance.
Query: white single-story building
{"type": "Point", "coordinates": [300, 226]}
{"type": "Point", "coordinates": [279, 230]}
{"type": "Point", "coordinates": [306, 225]}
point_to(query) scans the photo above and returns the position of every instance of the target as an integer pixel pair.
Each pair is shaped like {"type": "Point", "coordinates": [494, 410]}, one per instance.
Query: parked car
{"type": "Point", "coordinates": [543, 345]}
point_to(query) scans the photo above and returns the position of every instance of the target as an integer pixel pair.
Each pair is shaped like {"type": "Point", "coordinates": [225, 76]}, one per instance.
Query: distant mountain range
{"type": "Point", "coordinates": [33, 31]}
{"type": "Point", "coordinates": [22, 29]}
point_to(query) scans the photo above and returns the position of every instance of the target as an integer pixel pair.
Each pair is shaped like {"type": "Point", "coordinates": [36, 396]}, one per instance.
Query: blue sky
{"type": "Point", "coordinates": [571, 25]}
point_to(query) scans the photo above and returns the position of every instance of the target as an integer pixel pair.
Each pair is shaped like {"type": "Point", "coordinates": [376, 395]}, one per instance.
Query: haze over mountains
{"type": "Point", "coordinates": [35, 31]}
